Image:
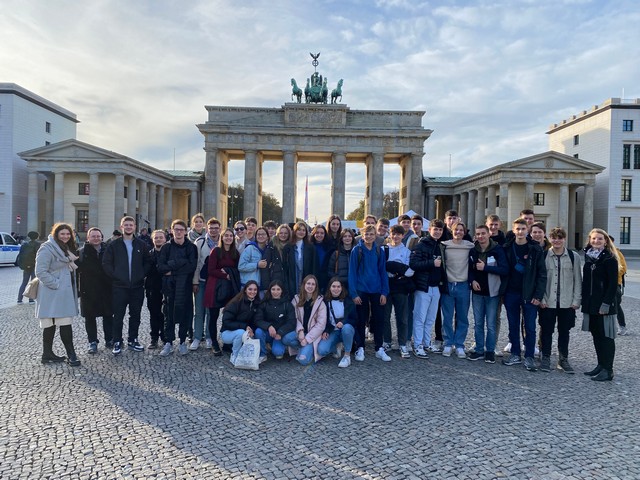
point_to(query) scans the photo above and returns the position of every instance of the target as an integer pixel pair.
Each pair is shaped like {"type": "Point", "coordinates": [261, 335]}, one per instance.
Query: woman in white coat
{"type": "Point", "coordinates": [57, 299]}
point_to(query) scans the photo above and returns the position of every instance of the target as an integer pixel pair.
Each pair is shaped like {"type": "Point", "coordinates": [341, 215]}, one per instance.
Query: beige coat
{"type": "Point", "coordinates": [570, 280]}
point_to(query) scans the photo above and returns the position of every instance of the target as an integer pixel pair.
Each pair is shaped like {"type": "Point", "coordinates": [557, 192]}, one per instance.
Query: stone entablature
{"type": "Point", "coordinates": [595, 110]}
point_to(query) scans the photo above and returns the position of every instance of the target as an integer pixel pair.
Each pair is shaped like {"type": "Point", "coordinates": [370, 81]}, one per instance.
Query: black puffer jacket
{"type": "Point", "coordinates": [599, 283]}
{"type": "Point", "coordinates": [276, 269]}
{"type": "Point", "coordinates": [181, 261]}
{"type": "Point", "coordinates": [238, 315]}
{"type": "Point", "coordinates": [278, 314]}
{"type": "Point", "coordinates": [338, 265]}
{"type": "Point", "coordinates": [95, 285]}
{"type": "Point", "coordinates": [534, 281]}
{"type": "Point", "coordinates": [422, 263]}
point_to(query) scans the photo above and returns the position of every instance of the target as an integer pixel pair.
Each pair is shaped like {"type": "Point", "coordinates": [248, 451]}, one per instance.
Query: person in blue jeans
{"type": "Point", "coordinates": [523, 292]}
{"type": "Point", "coordinates": [241, 315]}
{"type": "Point", "coordinates": [311, 318]}
{"type": "Point", "coordinates": [341, 321]}
{"type": "Point", "coordinates": [488, 266]}
{"type": "Point", "coordinates": [456, 295]}
{"type": "Point", "coordinates": [277, 321]}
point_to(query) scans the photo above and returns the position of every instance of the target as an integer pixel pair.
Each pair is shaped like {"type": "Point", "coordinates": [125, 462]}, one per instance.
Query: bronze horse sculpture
{"type": "Point", "coordinates": [336, 92]}
{"type": "Point", "coordinates": [296, 91]}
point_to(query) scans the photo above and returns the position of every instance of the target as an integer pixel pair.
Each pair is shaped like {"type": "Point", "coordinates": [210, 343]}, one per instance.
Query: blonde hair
{"type": "Point", "coordinates": [608, 244]}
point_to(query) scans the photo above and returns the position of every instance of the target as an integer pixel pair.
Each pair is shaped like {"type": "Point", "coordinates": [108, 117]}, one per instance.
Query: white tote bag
{"type": "Point", "coordinates": [249, 355]}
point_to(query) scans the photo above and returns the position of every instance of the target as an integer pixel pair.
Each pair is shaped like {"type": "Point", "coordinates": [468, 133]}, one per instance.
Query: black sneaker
{"type": "Point", "coordinates": [31, 301]}
{"type": "Point", "coordinates": [53, 358]}
{"type": "Point", "coordinates": [135, 346]}
{"type": "Point", "coordinates": [215, 347]}
{"type": "Point", "coordinates": [474, 356]}
{"type": "Point", "coordinates": [545, 363]}
{"type": "Point", "coordinates": [153, 345]}
{"type": "Point", "coordinates": [73, 361]}
{"type": "Point", "coordinates": [511, 360]}
{"type": "Point", "coordinates": [93, 348]}
{"type": "Point", "coordinates": [490, 357]}
{"type": "Point", "coordinates": [530, 364]}
{"type": "Point", "coordinates": [108, 345]}
{"type": "Point", "coordinates": [117, 348]}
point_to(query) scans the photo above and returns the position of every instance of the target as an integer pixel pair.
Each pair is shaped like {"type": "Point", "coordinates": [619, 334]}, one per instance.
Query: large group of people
{"type": "Point", "coordinates": [319, 292]}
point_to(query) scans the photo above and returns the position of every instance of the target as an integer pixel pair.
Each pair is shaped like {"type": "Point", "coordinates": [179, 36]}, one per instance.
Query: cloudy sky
{"type": "Point", "coordinates": [491, 75]}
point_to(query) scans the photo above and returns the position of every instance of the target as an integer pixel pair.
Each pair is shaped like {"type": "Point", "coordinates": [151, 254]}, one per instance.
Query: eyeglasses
{"type": "Point", "coordinates": [179, 230]}
{"type": "Point", "coordinates": [239, 229]}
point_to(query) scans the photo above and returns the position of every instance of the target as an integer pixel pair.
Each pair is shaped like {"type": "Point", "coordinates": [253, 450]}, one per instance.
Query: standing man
{"type": "Point", "coordinates": [426, 262]}
{"type": "Point", "coordinates": [563, 296]}
{"type": "Point", "coordinates": [176, 263]}
{"type": "Point", "coordinates": [126, 261]}
{"type": "Point", "coordinates": [252, 224]}
{"type": "Point", "coordinates": [26, 261]}
{"type": "Point", "coordinates": [493, 224]}
{"type": "Point", "coordinates": [204, 245]}
{"type": "Point", "coordinates": [369, 288]}
{"type": "Point", "coordinates": [153, 291]}
{"type": "Point", "coordinates": [523, 292]}
{"type": "Point", "coordinates": [95, 290]}
{"type": "Point", "coordinates": [382, 231]}
{"type": "Point", "coordinates": [488, 267]}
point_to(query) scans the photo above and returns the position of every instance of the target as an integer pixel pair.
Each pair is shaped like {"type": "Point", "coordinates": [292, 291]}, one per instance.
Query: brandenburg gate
{"type": "Point", "coordinates": [313, 131]}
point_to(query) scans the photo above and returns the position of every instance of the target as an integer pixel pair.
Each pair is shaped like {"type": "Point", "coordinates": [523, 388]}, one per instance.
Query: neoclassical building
{"type": "Point", "coordinates": [557, 187]}
{"type": "Point", "coordinates": [89, 186]}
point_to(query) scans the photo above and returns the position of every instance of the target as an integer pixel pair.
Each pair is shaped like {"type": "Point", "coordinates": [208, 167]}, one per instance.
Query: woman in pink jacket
{"type": "Point", "coordinates": [311, 318]}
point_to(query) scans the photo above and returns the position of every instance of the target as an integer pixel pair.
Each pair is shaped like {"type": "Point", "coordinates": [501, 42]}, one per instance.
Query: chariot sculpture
{"type": "Point", "coordinates": [316, 89]}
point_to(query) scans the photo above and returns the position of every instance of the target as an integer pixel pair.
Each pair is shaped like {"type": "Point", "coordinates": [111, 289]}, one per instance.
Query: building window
{"type": "Point", "coordinates": [626, 157]}
{"type": "Point", "coordinates": [538, 199]}
{"type": "Point", "coordinates": [625, 230]}
{"type": "Point", "coordinates": [636, 157]}
{"type": "Point", "coordinates": [82, 221]}
{"type": "Point", "coordinates": [126, 191]}
{"type": "Point", "coordinates": [47, 144]}
{"type": "Point", "coordinates": [47, 127]}
{"type": "Point", "coordinates": [576, 139]}
{"type": "Point", "coordinates": [575, 155]}
{"type": "Point", "coordinates": [625, 194]}
{"type": "Point", "coordinates": [627, 125]}
{"type": "Point", "coordinates": [83, 189]}
{"type": "Point", "coordinates": [497, 200]}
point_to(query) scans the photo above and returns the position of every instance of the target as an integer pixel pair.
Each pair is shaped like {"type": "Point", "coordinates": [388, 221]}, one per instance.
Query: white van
{"type": "Point", "coordinates": [9, 249]}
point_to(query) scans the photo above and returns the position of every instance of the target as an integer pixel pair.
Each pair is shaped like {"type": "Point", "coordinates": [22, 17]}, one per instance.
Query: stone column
{"type": "Point", "coordinates": [563, 207]}
{"type": "Point", "coordinates": [528, 195]}
{"type": "Point", "coordinates": [492, 206]}
{"type": "Point", "coordinates": [251, 181]}
{"type": "Point", "coordinates": [289, 179]}
{"type": "Point", "coordinates": [415, 183]}
{"type": "Point", "coordinates": [193, 203]}
{"type": "Point", "coordinates": [338, 179]}
{"type": "Point", "coordinates": [472, 210]}
{"type": "Point", "coordinates": [587, 214]}
{"type": "Point", "coordinates": [480, 216]}
{"type": "Point", "coordinates": [118, 206]}
{"type": "Point", "coordinates": [455, 203]}
{"type": "Point", "coordinates": [131, 196]}
{"type": "Point", "coordinates": [503, 207]}
{"type": "Point", "coordinates": [169, 207]}
{"type": "Point", "coordinates": [143, 203]}
{"type": "Point", "coordinates": [464, 206]}
{"type": "Point", "coordinates": [58, 197]}
{"type": "Point", "coordinates": [48, 204]}
{"type": "Point", "coordinates": [375, 182]}
{"type": "Point", "coordinates": [32, 203]}
{"type": "Point", "coordinates": [160, 218]}
{"type": "Point", "coordinates": [153, 198]}
{"type": "Point", "coordinates": [431, 207]}
{"type": "Point", "coordinates": [94, 199]}
{"type": "Point", "coordinates": [211, 182]}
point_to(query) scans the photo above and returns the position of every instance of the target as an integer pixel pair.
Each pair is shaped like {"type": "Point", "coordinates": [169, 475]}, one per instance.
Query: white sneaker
{"type": "Point", "coordinates": [194, 345]}
{"type": "Point", "coordinates": [498, 353]}
{"type": "Point", "coordinates": [262, 359]}
{"type": "Point", "coordinates": [536, 353]}
{"type": "Point", "coordinates": [446, 352]}
{"type": "Point", "coordinates": [404, 352]}
{"type": "Point", "coordinates": [345, 362]}
{"type": "Point", "coordinates": [386, 346]}
{"type": "Point", "coordinates": [507, 348]}
{"type": "Point", "coordinates": [382, 355]}
{"type": "Point", "coordinates": [166, 350]}
{"type": "Point", "coordinates": [460, 353]}
{"type": "Point", "coordinates": [360, 355]}
{"type": "Point", "coordinates": [208, 344]}
{"type": "Point", "coordinates": [183, 349]}
{"type": "Point", "coordinates": [338, 353]}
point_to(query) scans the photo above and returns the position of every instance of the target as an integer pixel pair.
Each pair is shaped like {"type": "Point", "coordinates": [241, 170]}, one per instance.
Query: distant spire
{"type": "Point", "coordinates": [306, 199]}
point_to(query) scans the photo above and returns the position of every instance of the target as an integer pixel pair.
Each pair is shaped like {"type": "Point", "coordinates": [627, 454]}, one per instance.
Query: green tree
{"type": "Point", "coordinates": [358, 213]}
{"type": "Point", "coordinates": [271, 209]}
{"type": "Point", "coordinates": [390, 204]}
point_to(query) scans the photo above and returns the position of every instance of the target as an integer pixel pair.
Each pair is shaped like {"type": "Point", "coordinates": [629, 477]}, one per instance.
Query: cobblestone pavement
{"type": "Point", "coordinates": [142, 416]}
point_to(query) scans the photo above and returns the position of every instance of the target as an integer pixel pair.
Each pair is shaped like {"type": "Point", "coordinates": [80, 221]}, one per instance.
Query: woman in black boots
{"type": "Point", "coordinates": [57, 299]}
{"type": "Point", "coordinates": [599, 283]}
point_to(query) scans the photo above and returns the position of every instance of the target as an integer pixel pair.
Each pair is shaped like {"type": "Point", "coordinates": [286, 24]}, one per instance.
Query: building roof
{"type": "Point", "coordinates": [185, 173]}
{"type": "Point", "coordinates": [14, 89]}
{"type": "Point", "coordinates": [595, 110]}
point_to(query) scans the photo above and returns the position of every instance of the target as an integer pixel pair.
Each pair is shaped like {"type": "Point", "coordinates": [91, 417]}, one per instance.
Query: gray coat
{"type": "Point", "coordinates": [57, 295]}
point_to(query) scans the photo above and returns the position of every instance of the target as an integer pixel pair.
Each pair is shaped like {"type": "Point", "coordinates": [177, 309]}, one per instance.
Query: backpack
{"type": "Point", "coordinates": [27, 256]}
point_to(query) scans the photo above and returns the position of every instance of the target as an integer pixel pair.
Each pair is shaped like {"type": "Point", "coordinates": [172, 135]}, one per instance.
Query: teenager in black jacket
{"type": "Point", "coordinates": [277, 320]}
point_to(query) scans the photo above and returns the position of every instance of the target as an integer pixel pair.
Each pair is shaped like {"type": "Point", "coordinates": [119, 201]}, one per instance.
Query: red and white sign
{"type": "Point", "coordinates": [18, 218]}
